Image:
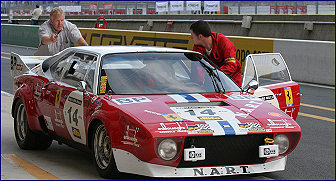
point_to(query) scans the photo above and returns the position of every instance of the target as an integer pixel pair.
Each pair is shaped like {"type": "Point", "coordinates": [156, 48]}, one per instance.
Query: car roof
{"type": "Point", "coordinates": [128, 49]}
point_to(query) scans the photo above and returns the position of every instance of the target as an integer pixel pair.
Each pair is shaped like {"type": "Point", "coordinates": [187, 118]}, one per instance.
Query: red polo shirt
{"type": "Point", "coordinates": [223, 54]}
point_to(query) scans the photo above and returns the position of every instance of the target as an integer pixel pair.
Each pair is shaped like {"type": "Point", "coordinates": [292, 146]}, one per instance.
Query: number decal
{"type": "Point", "coordinates": [73, 115]}
{"type": "Point", "coordinates": [191, 112]}
{"type": "Point", "coordinates": [208, 111]}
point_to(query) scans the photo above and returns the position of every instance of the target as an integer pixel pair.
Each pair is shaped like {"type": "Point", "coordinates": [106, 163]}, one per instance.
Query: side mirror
{"type": "Point", "coordinates": [252, 85]}
{"type": "Point", "coordinates": [81, 86]}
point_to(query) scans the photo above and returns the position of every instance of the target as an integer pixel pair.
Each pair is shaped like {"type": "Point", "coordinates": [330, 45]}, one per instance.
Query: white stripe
{"type": "Point", "coordinates": [200, 98]}
{"type": "Point", "coordinates": [7, 94]}
{"type": "Point", "coordinates": [178, 98]}
{"type": "Point", "coordinates": [216, 127]}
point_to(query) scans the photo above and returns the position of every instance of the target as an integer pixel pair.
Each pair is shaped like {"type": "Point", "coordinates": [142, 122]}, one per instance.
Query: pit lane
{"type": "Point", "coordinates": [314, 157]}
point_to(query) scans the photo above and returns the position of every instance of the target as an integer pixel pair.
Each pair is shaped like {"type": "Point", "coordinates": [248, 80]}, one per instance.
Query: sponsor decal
{"type": "Point", "coordinates": [274, 114]}
{"type": "Point", "coordinates": [76, 132]}
{"type": "Point", "coordinates": [267, 98]}
{"type": "Point", "coordinates": [228, 170]}
{"type": "Point", "coordinates": [96, 100]}
{"type": "Point", "coordinates": [172, 127]}
{"type": "Point", "coordinates": [74, 100]}
{"type": "Point", "coordinates": [49, 123]}
{"type": "Point", "coordinates": [131, 100]}
{"type": "Point", "coordinates": [19, 67]}
{"type": "Point", "coordinates": [268, 130]}
{"type": "Point", "coordinates": [289, 96]}
{"type": "Point", "coordinates": [58, 97]}
{"type": "Point", "coordinates": [38, 91]}
{"type": "Point", "coordinates": [256, 129]}
{"type": "Point", "coordinates": [281, 123]}
{"type": "Point", "coordinates": [172, 117]}
{"type": "Point", "coordinates": [243, 97]}
{"type": "Point", "coordinates": [153, 112]}
{"type": "Point", "coordinates": [130, 136]}
{"type": "Point", "coordinates": [289, 111]}
{"type": "Point", "coordinates": [199, 129]}
{"type": "Point", "coordinates": [58, 119]}
{"type": "Point", "coordinates": [209, 118]}
{"type": "Point", "coordinates": [250, 107]}
{"type": "Point", "coordinates": [249, 125]}
{"type": "Point", "coordinates": [103, 82]}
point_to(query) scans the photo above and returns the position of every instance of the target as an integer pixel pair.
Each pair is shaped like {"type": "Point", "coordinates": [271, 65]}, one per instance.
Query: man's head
{"type": "Point", "coordinates": [57, 18]}
{"type": "Point", "coordinates": [37, 6]}
{"type": "Point", "coordinates": [200, 30]}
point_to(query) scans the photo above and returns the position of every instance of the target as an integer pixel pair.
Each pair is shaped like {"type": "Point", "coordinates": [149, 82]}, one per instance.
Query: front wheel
{"type": "Point", "coordinates": [26, 138]}
{"type": "Point", "coordinates": [102, 153]}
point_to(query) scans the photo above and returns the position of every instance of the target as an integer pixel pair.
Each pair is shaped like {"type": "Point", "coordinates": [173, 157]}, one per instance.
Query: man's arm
{"type": "Point", "coordinates": [82, 42]}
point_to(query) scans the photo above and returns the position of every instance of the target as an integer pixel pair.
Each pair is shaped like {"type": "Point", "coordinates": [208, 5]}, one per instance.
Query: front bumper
{"type": "Point", "coordinates": [128, 163]}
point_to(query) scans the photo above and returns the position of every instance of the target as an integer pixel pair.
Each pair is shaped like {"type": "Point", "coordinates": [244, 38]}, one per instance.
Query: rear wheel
{"type": "Point", "coordinates": [102, 153]}
{"type": "Point", "coordinates": [26, 138]}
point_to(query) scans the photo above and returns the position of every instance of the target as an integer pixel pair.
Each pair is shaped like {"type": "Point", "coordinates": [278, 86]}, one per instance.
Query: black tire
{"type": "Point", "coordinates": [26, 138]}
{"type": "Point", "coordinates": [102, 153]}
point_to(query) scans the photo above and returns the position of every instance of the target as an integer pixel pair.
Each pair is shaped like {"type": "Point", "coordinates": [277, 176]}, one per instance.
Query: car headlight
{"type": "Point", "coordinates": [167, 149]}
{"type": "Point", "coordinates": [282, 141]}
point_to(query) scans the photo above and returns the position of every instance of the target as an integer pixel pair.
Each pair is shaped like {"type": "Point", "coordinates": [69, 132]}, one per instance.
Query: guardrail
{"type": "Point", "coordinates": [308, 61]}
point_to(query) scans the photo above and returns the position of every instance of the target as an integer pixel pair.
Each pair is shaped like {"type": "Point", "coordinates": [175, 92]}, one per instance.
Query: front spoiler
{"type": "Point", "coordinates": [128, 163]}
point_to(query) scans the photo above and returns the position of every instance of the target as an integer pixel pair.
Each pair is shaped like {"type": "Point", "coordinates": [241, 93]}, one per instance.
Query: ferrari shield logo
{"type": "Point", "coordinates": [289, 96]}
{"type": "Point", "coordinates": [172, 117]}
{"type": "Point", "coordinates": [58, 98]}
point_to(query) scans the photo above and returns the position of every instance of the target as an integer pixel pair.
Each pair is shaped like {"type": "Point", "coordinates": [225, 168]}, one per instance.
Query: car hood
{"type": "Point", "coordinates": [210, 113]}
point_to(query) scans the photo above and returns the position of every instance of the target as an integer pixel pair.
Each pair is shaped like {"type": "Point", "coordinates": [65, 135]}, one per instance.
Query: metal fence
{"type": "Point", "coordinates": [24, 8]}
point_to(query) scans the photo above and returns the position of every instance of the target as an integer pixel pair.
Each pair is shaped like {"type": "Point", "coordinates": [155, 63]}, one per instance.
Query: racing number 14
{"type": "Point", "coordinates": [74, 116]}
{"type": "Point", "coordinates": [206, 111]}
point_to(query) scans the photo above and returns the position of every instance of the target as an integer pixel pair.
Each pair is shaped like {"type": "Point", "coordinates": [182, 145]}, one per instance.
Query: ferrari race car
{"type": "Point", "coordinates": [158, 112]}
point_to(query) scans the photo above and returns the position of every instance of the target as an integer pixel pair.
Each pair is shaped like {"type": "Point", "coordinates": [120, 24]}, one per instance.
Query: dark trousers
{"type": "Point", "coordinates": [33, 22]}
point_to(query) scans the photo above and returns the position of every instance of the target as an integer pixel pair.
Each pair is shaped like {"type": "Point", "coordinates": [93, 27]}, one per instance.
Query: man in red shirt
{"type": "Point", "coordinates": [218, 48]}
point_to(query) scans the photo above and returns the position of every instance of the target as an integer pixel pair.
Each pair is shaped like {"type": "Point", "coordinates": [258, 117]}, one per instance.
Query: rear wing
{"type": "Point", "coordinates": [19, 64]}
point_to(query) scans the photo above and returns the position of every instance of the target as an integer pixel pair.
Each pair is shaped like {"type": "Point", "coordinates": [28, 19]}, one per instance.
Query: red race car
{"type": "Point", "coordinates": [156, 111]}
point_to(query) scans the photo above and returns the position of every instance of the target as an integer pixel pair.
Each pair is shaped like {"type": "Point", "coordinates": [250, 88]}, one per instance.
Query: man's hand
{"type": "Point", "coordinates": [53, 38]}
{"type": "Point", "coordinates": [48, 40]}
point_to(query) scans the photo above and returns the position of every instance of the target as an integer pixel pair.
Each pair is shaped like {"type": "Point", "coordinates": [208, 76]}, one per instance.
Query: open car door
{"type": "Point", "coordinates": [275, 84]}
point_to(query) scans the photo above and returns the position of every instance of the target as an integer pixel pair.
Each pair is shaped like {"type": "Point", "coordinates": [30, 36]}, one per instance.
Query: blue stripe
{"type": "Point", "coordinates": [189, 97]}
{"type": "Point", "coordinates": [228, 129]}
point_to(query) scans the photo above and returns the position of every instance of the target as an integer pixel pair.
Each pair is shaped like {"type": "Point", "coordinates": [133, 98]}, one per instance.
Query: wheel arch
{"type": "Point", "coordinates": [24, 94]}
{"type": "Point", "coordinates": [91, 127]}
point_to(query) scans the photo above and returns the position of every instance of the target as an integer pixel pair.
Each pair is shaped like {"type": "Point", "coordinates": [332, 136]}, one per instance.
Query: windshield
{"type": "Point", "coordinates": [161, 73]}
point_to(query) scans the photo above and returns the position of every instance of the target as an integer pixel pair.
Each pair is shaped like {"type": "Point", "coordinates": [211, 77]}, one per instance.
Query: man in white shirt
{"type": "Point", "coordinates": [56, 34]}
{"type": "Point", "coordinates": [35, 15]}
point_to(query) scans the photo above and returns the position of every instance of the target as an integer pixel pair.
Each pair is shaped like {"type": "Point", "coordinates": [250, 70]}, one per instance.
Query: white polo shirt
{"type": "Point", "coordinates": [68, 34]}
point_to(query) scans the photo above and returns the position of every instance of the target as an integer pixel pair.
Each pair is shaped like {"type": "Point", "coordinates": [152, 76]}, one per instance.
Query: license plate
{"type": "Point", "coordinates": [194, 154]}
{"type": "Point", "coordinates": [268, 151]}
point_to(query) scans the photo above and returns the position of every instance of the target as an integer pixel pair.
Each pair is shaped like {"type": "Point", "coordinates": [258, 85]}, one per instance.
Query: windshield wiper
{"type": "Point", "coordinates": [213, 76]}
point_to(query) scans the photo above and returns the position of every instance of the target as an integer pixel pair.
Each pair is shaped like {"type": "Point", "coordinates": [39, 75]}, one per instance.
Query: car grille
{"type": "Point", "coordinates": [226, 150]}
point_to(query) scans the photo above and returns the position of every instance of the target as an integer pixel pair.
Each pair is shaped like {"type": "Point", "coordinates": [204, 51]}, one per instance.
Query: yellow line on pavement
{"type": "Point", "coordinates": [28, 167]}
{"type": "Point", "coordinates": [318, 107]}
{"type": "Point", "coordinates": [316, 117]}
{"type": "Point", "coordinates": [5, 57]}
{"type": "Point", "coordinates": [5, 53]}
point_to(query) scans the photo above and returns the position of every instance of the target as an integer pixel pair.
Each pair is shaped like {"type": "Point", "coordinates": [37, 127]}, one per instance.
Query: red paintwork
{"type": "Point", "coordinates": [116, 117]}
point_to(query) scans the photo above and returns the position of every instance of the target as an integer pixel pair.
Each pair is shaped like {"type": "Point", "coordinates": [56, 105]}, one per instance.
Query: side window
{"type": "Point", "coordinates": [79, 65]}
{"type": "Point", "coordinates": [57, 68]}
{"type": "Point", "coordinates": [90, 77]}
